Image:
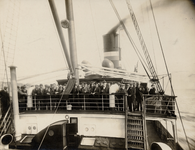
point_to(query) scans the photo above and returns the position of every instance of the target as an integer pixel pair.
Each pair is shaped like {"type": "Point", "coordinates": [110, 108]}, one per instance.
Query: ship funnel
{"type": "Point", "coordinates": [6, 139]}
{"type": "Point", "coordinates": [112, 50]}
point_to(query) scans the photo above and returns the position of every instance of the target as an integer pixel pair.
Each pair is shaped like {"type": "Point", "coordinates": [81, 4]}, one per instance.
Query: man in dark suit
{"type": "Point", "coordinates": [138, 97]}
{"type": "Point", "coordinates": [96, 95]}
{"type": "Point", "coordinates": [120, 98]}
{"type": "Point", "coordinates": [152, 90]}
{"type": "Point", "coordinates": [5, 101]}
{"type": "Point", "coordinates": [131, 92]}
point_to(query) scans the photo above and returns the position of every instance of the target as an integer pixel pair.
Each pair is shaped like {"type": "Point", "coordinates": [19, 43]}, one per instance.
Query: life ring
{"type": "Point", "coordinates": [159, 146]}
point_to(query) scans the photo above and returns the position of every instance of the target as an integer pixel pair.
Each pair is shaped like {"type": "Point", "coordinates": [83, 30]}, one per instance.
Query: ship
{"type": "Point", "coordinates": [83, 122]}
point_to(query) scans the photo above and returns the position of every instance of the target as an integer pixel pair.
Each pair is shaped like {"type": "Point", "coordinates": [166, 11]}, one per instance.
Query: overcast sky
{"type": "Point", "coordinates": [31, 42]}
{"type": "Point", "coordinates": [38, 49]}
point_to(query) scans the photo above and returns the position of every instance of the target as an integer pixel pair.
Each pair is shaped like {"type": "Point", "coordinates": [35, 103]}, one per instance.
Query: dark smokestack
{"type": "Point", "coordinates": [111, 49]}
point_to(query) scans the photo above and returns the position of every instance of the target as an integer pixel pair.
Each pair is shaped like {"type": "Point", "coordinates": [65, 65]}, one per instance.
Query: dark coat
{"type": "Point", "coordinates": [5, 102]}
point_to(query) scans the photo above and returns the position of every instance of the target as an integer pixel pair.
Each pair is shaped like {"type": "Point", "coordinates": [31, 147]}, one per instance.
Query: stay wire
{"type": "Point", "coordinates": [129, 37]}
{"type": "Point", "coordinates": [2, 47]}
{"type": "Point", "coordinates": [152, 39]}
{"type": "Point", "coordinates": [95, 31]}
{"type": "Point", "coordinates": [168, 74]}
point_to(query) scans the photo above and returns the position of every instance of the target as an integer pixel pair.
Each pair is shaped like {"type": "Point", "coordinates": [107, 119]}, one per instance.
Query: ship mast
{"type": "Point", "coordinates": [72, 38]}
{"type": "Point", "coordinates": [60, 33]}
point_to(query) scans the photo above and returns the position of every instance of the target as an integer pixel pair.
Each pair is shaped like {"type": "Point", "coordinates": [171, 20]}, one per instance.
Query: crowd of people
{"type": "Point", "coordinates": [93, 92]}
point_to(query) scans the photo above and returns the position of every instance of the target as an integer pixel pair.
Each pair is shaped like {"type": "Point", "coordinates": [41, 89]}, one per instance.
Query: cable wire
{"type": "Point", "coordinates": [130, 38]}
{"type": "Point", "coordinates": [168, 73]}
{"type": "Point", "coordinates": [95, 31]}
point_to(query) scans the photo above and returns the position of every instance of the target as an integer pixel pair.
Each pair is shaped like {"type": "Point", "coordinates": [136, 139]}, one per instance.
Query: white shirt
{"type": "Point", "coordinates": [113, 88]}
{"type": "Point", "coordinates": [29, 90]}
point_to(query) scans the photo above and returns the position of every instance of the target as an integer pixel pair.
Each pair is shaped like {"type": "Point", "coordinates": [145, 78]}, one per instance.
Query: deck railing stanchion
{"type": "Point", "coordinates": [102, 103]}
{"type": "Point", "coordinates": [123, 101]}
{"type": "Point", "coordinates": [84, 102]}
{"type": "Point", "coordinates": [50, 102]}
{"type": "Point", "coordinates": [126, 112]}
{"type": "Point", "coordinates": [35, 103]}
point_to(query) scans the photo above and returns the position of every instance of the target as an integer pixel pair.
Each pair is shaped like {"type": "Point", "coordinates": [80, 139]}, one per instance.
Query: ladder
{"type": "Point", "coordinates": [144, 48]}
{"type": "Point", "coordinates": [136, 132]}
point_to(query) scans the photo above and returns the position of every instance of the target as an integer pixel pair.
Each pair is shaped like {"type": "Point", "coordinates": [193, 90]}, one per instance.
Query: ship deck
{"type": "Point", "coordinates": [149, 116]}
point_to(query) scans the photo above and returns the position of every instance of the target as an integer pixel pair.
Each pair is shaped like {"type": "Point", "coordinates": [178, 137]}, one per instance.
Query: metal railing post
{"type": "Point", "coordinates": [50, 102]}
{"type": "Point", "coordinates": [84, 102]}
{"type": "Point", "coordinates": [102, 103]}
{"type": "Point", "coordinates": [35, 103]}
{"type": "Point", "coordinates": [123, 102]}
{"type": "Point", "coordinates": [126, 112]}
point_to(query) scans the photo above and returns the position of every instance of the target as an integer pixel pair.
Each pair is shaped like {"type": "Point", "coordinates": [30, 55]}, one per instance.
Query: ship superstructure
{"type": "Point", "coordinates": [83, 121]}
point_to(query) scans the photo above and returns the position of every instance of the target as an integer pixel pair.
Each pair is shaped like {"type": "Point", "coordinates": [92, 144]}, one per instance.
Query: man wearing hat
{"type": "Point", "coordinates": [120, 98]}
{"type": "Point", "coordinates": [152, 90]}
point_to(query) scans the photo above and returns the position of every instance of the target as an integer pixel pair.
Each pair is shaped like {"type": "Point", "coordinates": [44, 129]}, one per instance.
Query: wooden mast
{"type": "Point", "coordinates": [60, 33]}
{"type": "Point", "coordinates": [72, 38]}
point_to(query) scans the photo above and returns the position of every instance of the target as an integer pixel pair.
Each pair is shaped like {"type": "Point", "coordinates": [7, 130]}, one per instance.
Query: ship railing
{"type": "Point", "coordinates": [159, 104]}
{"type": "Point", "coordinates": [82, 101]}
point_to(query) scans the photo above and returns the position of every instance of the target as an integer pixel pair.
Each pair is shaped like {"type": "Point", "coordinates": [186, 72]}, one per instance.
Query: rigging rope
{"type": "Point", "coordinates": [152, 39]}
{"type": "Point", "coordinates": [2, 47]}
{"type": "Point", "coordinates": [9, 37]}
{"type": "Point", "coordinates": [168, 73]}
{"type": "Point", "coordinates": [95, 32]}
{"type": "Point", "coordinates": [130, 38]}
{"type": "Point", "coordinates": [144, 48]}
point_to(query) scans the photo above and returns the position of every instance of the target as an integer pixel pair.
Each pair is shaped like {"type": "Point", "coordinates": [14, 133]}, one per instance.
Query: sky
{"type": "Point", "coordinates": [38, 49]}
{"type": "Point", "coordinates": [28, 26]}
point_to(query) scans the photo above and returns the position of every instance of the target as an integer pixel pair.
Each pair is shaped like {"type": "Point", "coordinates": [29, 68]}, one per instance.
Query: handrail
{"type": "Point", "coordinates": [126, 116]}
{"type": "Point", "coordinates": [144, 125]}
{"type": "Point", "coordinates": [161, 104]}
{"type": "Point", "coordinates": [79, 101]}
{"type": "Point", "coordinates": [156, 104]}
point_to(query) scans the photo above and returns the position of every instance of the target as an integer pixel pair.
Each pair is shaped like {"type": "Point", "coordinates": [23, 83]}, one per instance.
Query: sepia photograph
{"type": "Point", "coordinates": [97, 74]}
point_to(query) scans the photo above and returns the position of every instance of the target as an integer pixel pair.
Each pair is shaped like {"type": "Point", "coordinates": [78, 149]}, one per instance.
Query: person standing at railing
{"type": "Point", "coordinates": [29, 97]}
{"type": "Point", "coordinates": [87, 92]}
{"type": "Point", "coordinates": [105, 92]}
{"type": "Point", "coordinates": [41, 97]}
{"type": "Point", "coordinates": [129, 96]}
{"type": "Point", "coordinates": [120, 98]}
{"type": "Point", "coordinates": [113, 89]}
{"type": "Point", "coordinates": [34, 94]}
{"type": "Point", "coordinates": [46, 96]}
{"type": "Point", "coordinates": [132, 97]}
{"type": "Point", "coordinates": [152, 90]}
{"type": "Point", "coordinates": [138, 98]}
{"type": "Point", "coordinates": [79, 96]}
{"type": "Point", "coordinates": [96, 95]}
{"type": "Point", "coordinates": [24, 97]}
{"type": "Point", "coordinates": [21, 99]}
{"type": "Point", "coordinates": [60, 90]}
{"type": "Point", "coordinates": [74, 97]}
{"type": "Point", "coordinates": [5, 101]}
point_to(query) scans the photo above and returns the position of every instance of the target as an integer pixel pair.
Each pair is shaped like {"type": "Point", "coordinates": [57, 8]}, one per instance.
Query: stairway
{"type": "Point", "coordinates": [135, 131]}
